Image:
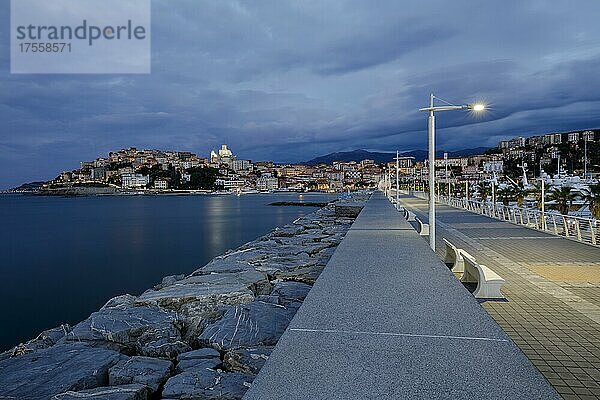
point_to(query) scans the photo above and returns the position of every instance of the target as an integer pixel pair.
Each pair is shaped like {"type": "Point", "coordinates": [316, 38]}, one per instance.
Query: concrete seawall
{"type": "Point", "coordinates": [387, 320]}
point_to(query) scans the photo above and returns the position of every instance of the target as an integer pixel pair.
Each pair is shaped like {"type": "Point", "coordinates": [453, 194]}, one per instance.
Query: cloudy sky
{"type": "Point", "coordinates": [290, 80]}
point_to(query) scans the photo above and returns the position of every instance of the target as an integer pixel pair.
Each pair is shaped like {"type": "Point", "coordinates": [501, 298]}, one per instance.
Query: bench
{"type": "Point", "coordinates": [423, 228]}
{"type": "Point", "coordinates": [454, 259]}
{"type": "Point", "coordinates": [409, 215]}
{"type": "Point", "coordinates": [488, 282]}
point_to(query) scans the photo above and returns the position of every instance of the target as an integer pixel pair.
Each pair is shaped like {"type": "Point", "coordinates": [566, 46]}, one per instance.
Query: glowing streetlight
{"type": "Point", "coordinates": [477, 107]}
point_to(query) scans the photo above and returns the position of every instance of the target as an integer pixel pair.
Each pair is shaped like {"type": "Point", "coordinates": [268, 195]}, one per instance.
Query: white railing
{"type": "Point", "coordinates": [581, 229]}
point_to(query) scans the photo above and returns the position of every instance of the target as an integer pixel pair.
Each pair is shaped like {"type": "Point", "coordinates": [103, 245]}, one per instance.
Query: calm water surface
{"type": "Point", "coordinates": [62, 258]}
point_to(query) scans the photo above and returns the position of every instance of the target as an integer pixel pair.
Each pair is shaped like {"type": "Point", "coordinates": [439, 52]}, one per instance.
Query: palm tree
{"type": "Point", "coordinates": [563, 196]}
{"type": "Point", "coordinates": [506, 194]}
{"type": "Point", "coordinates": [592, 197]}
{"type": "Point", "coordinates": [536, 192]}
{"type": "Point", "coordinates": [484, 190]}
{"type": "Point", "coordinates": [519, 192]}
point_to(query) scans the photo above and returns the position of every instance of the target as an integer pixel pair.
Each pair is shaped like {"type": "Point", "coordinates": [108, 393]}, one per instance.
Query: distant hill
{"type": "Point", "coordinates": [379, 157]}
{"type": "Point", "coordinates": [28, 187]}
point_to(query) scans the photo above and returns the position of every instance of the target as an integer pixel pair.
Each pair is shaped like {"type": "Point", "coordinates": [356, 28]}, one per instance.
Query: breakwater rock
{"type": "Point", "coordinates": [199, 336]}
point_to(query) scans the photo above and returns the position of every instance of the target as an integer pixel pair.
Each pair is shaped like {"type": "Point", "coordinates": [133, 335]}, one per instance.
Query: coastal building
{"type": "Point", "coordinates": [126, 170]}
{"type": "Point", "coordinates": [588, 136]}
{"type": "Point", "coordinates": [451, 162]}
{"type": "Point", "coordinates": [553, 138]}
{"type": "Point", "coordinates": [512, 143]}
{"type": "Point", "coordinates": [161, 184]}
{"type": "Point", "coordinates": [573, 137]}
{"type": "Point", "coordinates": [267, 183]}
{"type": "Point", "coordinates": [493, 166]}
{"type": "Point", "coordinates": [66, 176]}
{"type": "Point", "coordinates": [352, 176]}
{"type": "Point", "coordinates": [536, 142]}
{"type": "Point", "coordinates": [406, 162]}
{"type": "Point", "coordinates": [230, 183]}
{"type": "Point", "coordinates": [98, 173]}
{"type": "Point", "coordinates": [335, 176]}
{"type": "Point", "coordinates": [132, 180]}
{"type": "Point", "coordinates": [264, 164]}
{"type": "Point", "coordinates": [370, 163]}
{"type": "Point", "coordinates": [241, 165]}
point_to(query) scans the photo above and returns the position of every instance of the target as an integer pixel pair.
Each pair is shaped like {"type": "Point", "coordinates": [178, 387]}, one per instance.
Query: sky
{"type": "Point", "coordinates": [291, 80]}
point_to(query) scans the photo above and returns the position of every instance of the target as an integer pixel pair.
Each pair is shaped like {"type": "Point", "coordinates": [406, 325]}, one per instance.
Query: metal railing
{"type": "Point", "coordinates": [585, 230]}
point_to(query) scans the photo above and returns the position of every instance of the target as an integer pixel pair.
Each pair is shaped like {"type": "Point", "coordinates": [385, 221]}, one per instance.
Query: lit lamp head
{"type": "Point", "coordinates": [477, 107]}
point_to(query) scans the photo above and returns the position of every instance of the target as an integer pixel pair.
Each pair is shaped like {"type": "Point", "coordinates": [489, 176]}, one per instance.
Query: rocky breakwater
{"type": "Point", "coordinates": [201, 336]}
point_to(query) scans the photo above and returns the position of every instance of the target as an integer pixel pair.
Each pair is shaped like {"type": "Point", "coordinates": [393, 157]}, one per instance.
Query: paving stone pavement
{"type": "Point", "coordinates": [552, 288]}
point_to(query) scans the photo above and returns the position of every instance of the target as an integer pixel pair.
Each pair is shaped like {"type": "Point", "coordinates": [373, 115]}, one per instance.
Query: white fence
{"type": "Point", "coordinates": [585, 230]}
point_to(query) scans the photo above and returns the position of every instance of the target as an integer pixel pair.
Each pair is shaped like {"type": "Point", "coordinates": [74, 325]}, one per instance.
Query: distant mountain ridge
{"type": "Point", "coordinates": [380, 157]}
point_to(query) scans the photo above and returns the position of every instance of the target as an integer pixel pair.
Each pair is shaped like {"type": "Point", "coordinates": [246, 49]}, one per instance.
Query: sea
{"type": "Point", "coordinates": [62, 258]}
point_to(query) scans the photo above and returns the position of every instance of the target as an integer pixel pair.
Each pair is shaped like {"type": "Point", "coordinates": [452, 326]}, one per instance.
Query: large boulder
{"type": "Point", "coordinates": [201, 358]}
{"type": "Point", "coordinates": [251, 251]}
{"type": "Point", "coordinates": [248, 361]}
{"type": "Point", "coordinates": [221, 265]}
{"type": "Point", "coordinates": [134, 391]}
{"type": "Point", "coordinates": [205, 384]}
{"type": "Point", "coordinates": [306, 275]}
{"type": "Point", "coordinates": [122, 301]}
{"type": "Point", "coordinates": [288, 230]}
{"type": "Point", "coordinates": [257, 282]}
{"type": "Point", "coordinates": [46, 339]}
{"type": "Point", "coordinates": [349, 209]}
{"type": "Point", "coordinates": [200, 299]}
{"type": "Point", "coordinates": [152, 372]}
{"type": "Point", "coordinates": [57, 369]}
{"type": "Point", "coordinates": [180, 293]}
{"type": "Point", "coordinates": [169, 280]}
{"type": "Point", "coordinates": [289, 292]}
{"type": "Point", "coordinates": [200, 354]}
{"type": "Point", "coordinates": [283, 262]}
{"type": "Point", "coordinates": [248, 325]}
{"type": "Point", "coordinates": [146, 330]}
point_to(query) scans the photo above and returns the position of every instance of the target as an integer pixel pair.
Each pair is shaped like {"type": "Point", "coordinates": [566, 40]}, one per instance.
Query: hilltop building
{"type": "Point", "coordinates": [223, 156]}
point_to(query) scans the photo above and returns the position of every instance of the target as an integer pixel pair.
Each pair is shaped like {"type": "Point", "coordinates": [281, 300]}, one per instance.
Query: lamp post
{"type": "Point", "coordinates": [447, 176]}
{"type": "Point", "coordinates": [432, 109]}
{"type": "Point", "coordinates": [543, 204]}
{"type": "Point", "coordinates": [397, 179]}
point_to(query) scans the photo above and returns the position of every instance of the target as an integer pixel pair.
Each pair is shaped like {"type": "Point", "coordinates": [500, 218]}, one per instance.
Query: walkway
{"type": "Point", "coordinates": [387, 320]}
{"type": "Point", "coordinates": [553, 291]}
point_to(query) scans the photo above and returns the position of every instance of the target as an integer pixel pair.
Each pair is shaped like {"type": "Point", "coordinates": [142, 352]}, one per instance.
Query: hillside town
{"type": "Point", "coordinates": [137, 171]}
{"type": "Point", "coordinates": [169, 171]}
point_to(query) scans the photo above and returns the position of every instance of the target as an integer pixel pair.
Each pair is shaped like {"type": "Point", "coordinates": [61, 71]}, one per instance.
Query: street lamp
{"type": "Point", "coordinates": [431, 110]}
{"type": "Point", "coordinates": [397, 177]}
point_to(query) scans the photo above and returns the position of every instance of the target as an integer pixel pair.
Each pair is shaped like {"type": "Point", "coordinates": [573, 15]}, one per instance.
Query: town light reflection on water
{"type": "Point", "coordinates": [75, 253]}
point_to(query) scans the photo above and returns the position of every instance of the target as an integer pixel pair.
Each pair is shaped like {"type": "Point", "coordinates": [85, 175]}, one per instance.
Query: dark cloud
{"type": "Point", "coordinates": [291, 80]}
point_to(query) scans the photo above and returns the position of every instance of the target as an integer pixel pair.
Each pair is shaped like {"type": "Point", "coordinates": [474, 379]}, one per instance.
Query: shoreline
{"type": "Point", "coordinates": [166, 193]}
{"type": "Point", "coordinates": [213, 328]}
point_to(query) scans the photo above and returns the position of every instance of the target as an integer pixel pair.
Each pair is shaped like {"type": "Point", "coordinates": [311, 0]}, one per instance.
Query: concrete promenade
{"type": "Point", "coordinates": [552, 287]}
{"type": "Point", "coordinates": [387, 320]}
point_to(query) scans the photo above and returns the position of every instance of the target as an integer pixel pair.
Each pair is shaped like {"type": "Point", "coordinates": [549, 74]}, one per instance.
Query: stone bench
{"type": "Point", "coordinates": [423, 227]}
{"type": "Point", "coordinates": [488, 282]}
{"type": "Point", "coordinates": [454, 258]}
